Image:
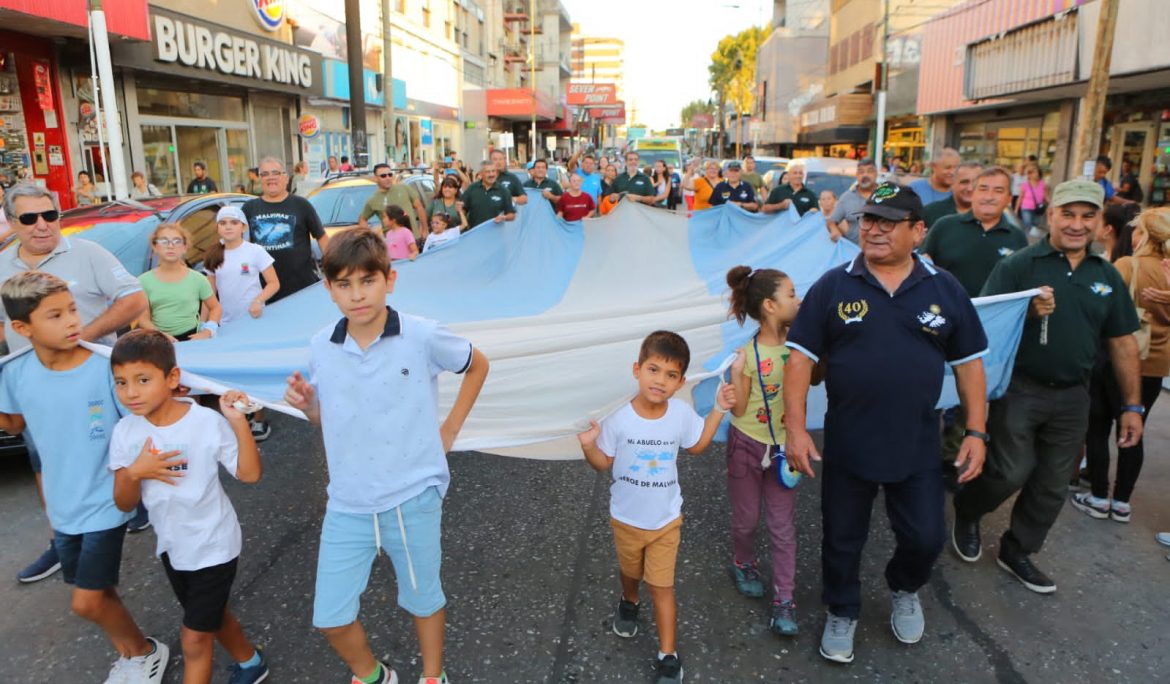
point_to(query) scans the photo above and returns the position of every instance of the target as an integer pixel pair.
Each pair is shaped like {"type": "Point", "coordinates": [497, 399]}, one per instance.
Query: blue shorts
{"type": "Point", "coordinates": [91, 560]}
{"type": "Point", "coordinates": [410, 534]}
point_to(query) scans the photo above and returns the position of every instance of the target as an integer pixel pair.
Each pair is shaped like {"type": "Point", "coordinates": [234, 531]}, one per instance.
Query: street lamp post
{"type": "Point", "coordinates": [532, 73]}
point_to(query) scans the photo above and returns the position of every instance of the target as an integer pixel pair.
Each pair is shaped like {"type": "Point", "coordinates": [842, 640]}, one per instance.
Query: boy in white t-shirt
{"type": "Point", "coordinates": [640, 443]}
{"type": "Point", "coordinates": [168, 455]}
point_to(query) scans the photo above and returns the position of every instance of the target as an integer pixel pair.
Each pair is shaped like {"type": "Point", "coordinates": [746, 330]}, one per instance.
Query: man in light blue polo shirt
{"type": "Point", "coordinates": [374, 392]}
{"type": "Point", "coordinates": [590, 176]}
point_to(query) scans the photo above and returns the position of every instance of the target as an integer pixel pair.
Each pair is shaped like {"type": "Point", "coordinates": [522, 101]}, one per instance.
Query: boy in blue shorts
{"type": "Point", "coordinates": [63, 393]}
{"type": "Point", "coordinates": [639, 444]}
{"type": "Point", "coordinates": [373, 389]}
{"type": "Point", "coordinates": [168, 455]}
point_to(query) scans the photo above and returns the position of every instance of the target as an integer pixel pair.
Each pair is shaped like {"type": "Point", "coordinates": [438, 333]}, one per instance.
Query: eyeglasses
{"type": "Point", "coordinates": [29, 218]}
{"type": "Point", "coordinates": [385, 175]}
{"type": "Point", "coordinates": [270, 174]}
{"type": "Point", "coordinates": [170, 242]}
{"type": "Point", "coordinates": [883, 225]}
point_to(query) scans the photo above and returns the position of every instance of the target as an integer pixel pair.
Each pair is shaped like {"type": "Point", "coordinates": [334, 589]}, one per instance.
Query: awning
{"type": "Point", "coordinates": [518, 104]}
{"type": "Point", "coordinates": [562, 124]}
{"type": "Point", "coordinates": [830, 136]}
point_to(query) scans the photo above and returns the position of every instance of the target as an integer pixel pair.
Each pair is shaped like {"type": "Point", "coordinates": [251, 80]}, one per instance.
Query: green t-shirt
{"type": "Point", "coordinates": [438, 207]}
{"type": "Point", "coordinates": [754, 421]}
{"type": "Point", "coordinates": [755, 180]}
{"type": "Point", "coordinates": [804, 199]}
{"type": "Point", "coordinates": [959, 244]}
{"type": "Point", "coordinates": [397, 195]}
{"type": "Point", "coordinates": [174, 307]}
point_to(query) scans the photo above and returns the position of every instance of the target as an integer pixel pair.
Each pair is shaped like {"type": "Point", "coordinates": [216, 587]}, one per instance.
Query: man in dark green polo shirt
{"type": "Point", "coordinates": [549, 189]}
{"type": "Point", "coordinates": [508, 180]}
{"type": "Point", "coordinates": [634, 183]}
{"type": "Point", "coordinates": [1038, 426]}
{"type": "Point", "coordinates": [960, 199]}
{"type": "Point", "coordinates": [794, 191]}
{"type": "Point", "coordinates": [486, 200]}
{"type": "Point", "coordinates": [969, 245]}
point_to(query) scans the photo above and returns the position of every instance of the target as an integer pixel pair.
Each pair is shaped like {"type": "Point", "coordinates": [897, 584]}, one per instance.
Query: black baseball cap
{"type": "Point", "coordinates": [894, 202]}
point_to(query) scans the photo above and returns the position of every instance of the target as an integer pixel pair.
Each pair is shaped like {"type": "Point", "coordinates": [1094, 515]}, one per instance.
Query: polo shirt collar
{"type": "Point", "coordinates": [1044, 248]}
{"type": "Point", "coordinates": [63, 245]}
{"type": "Point", "coordinates": [922, 270]}
{"type": "Point", "coordinates": [393, 327]}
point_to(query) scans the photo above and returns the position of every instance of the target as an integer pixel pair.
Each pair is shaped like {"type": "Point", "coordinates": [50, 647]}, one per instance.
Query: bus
{"type": "Point", "coordinates": [651, 150]}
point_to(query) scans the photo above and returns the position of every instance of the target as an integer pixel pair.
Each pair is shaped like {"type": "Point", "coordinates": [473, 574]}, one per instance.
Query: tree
{"type": "Point", "coordinates": [692, 108]}
{"type": "Point", "coordinates": [732, 72]}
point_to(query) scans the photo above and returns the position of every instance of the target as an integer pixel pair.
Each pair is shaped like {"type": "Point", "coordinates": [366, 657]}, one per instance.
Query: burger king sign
{"type": "Point", "coordinates": [270, 13]}
{"type": "Point", "coordinates": [309, 126]}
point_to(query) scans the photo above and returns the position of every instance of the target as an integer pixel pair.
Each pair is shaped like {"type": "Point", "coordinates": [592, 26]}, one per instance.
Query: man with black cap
{"type": "Point", "coordinates": [1038, 426]}
{"type": "Point", "coordinates": [882, 327]}
{"type": "Point", "coordinates": [734, 190]}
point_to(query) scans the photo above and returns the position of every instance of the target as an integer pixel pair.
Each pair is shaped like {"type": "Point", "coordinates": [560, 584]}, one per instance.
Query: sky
{"type": "Point", "coordinates": [668, 45]}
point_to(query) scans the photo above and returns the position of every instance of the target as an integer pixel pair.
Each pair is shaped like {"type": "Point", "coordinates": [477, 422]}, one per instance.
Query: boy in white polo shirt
{"type": "Point", "coordinates": [387, 461]}
{"type": "Point", "coordinates": [639, 443]}
{"type": "Point", "coordinates": [168, 455]}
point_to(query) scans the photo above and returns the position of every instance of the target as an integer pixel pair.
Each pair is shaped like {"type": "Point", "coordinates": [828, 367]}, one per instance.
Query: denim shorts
{"type": "Point", "coordinates": [410, 534]}
{"type": "Point", "coordinates": [91, 560]}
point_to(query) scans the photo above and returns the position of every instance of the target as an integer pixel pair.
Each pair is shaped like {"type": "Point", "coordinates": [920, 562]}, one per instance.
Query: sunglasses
{"type": "Point", "coordinates": [385, 175]}
{"type": "Point", "coordinates": [170, 242]}
{"type": "Point", "coordinates": [30, 218]}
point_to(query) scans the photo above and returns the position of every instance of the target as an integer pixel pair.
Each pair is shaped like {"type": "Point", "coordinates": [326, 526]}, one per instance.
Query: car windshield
{"type": "Point", "coordinates": [829, 181]}
{"type": "Point", "coordinates": [648, 157]}
{"type": "Point", "coordinates": [342, 206]}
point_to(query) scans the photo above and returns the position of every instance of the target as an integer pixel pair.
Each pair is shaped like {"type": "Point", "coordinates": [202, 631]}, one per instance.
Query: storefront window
{"type": "Point", "coordinates": [1007, 143]}
{"type": "Point", "coordinates": [159, 149]}
{"type": "Point", "coordinates": [237, 157]}
{"type": "Point", "coordinates": [157, 102]}
{"type": "Point", "coordinates": [275, 141]}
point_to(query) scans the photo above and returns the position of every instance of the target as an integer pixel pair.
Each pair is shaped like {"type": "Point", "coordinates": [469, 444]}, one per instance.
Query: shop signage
{"type": "Point", "coordinates": [591, 94]}
{"type": "Point", "coordinates": [309, 126]}
{"type": "Point", "coordinates": [426, 132]}
{"type": "Point", "coordinates": [270, 13]}
{"type": "Point", "coordinates": [703, 121]}
{"type": "Point", "coordinates": [198, 46]}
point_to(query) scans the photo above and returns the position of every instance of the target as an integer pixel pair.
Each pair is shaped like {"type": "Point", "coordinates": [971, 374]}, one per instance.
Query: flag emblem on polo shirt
{"type": "Point", "coordinates": [852, 312]}
{"type": "Point", "coordinates": [932, 318]}
{"type": "Point", "coordinates": [1006, 251]}
{"type": "Point", "coordinates": [1101, 289]}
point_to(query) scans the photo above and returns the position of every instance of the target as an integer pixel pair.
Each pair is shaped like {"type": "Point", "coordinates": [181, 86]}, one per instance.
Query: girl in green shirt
{"type": "Point", "coordinates": [177, 294]}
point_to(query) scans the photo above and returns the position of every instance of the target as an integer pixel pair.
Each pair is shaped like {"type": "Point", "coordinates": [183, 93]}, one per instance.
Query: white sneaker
{"type": "Point", "coordinates": [119, 673]}
{"type": "Point", "coordinates": [148, 669]}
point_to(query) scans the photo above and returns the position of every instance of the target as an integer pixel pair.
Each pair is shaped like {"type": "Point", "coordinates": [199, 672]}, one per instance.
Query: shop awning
{"type": "Point", "coordinates": [518, 104]}
{"type": "Point", "coordinates": [125, 18]}
{"type": "Point", "coordinates": [830, 136]}
{"type": "Point", "coordinates": [562, 124]}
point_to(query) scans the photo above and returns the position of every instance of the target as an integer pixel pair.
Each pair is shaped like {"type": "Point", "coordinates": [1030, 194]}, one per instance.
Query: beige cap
{"type": "Point", "coordinates": [1079, 190]}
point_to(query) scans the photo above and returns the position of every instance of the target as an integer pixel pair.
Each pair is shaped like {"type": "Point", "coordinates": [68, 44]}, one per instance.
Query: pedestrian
{"type": "Point", "coordinates": [1129, 188]}
{"type": "Point", "coordinates": [662, 182]}
{"type": "Point", "coordinates": [675, 196]}
{"type": "Point", "coordinates": [332, 169]}
{"type": "Point", "coordinates": [387, 472]}
{"type": "Point", "coordinates": [636, 185]}
{"type": "Point", "coordinates": [937, 186]}
{"type": "Point", "coordinates": [733, 190]}
{"type": "Point", "coordinates": [755, 452]}
{"type": "Point", "coordinates": [85, 192]}
{"type": "Point", "coordinates": [883, 326]}
{"type": "Point", "coordinates": [392, 192]}
{"type": "Point", "coordinates": [201, 184]}
{"type": "Point", "coordinates": [703, 185]}
{"type": "Point", "coordinates": [844, 219]}
{"type": "Point", "coordinates": [175, 292]}
{"type": "Point", "coordinates": [234, 267]}
{"type": "Point", "coordinates": [345, 166]}
{"type": "Point", "coordinates": [1033, 201]}
{"type": "Point", "coordinates": [140, 188]}
{"type": "Point", "coordinates": [284, 224]}
{"type": "Point", "coordinates": [1100, 176]}
{"type": "Point", "coordinates": [442, 232]}
{"type": "Point", "coordinates": [67, 403]}
{"type": "Point", "coordinates": [575, 204]}
{"type": "Point", "coordinates": [486, 200]}
{"type": "Point", "coordinates": [199, 537]}
{"type": "Point", "coordinates": [252, 187]}
{"type": "Point", "coordinates": [108, 299]}
{"type": "Point", "coordinates": [639, 445]}
{"type": "Point", "coordinates": [549, 189]}
{"type": "Point", "coordinates": [609, 179]}
{"type": "Point", "coordinates": [299, 182]}
{"type": "Point", "coordinates": [446, 201]}
{"type": "Point", "coordinates": [828, 203]}
{"type": "Point", "coordinates": [508, 180]}
{"type": "Point", "coordinates": [752, 177]}
{"type": "Point", "coordinates": [590, 175]}
{"type": "Point", "coordinates": [791, 193]}
{"type": "Point", "coordinates": [1147, 274]}
{"type": "Point", "coordinates": [1038, 426]}
{"type": "Point", "coordinates": [960, 200]}
{"type": "Point", "coordinates": [399, 239]}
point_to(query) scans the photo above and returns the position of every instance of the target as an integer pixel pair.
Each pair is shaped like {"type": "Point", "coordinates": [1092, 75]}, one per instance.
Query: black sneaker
{"type": "Point", "coordinates": [669, 669]}
{"type": "Point", "coordinates": [261, 430]}
{"type": "Point", "coordinates": [965, 539]}
{"type": "Point", "coordinates": [140, 522]}
{"type": "Point", "coordinates": [625, 620]}
{"type": "Point", "coordinates": [1018, 565]}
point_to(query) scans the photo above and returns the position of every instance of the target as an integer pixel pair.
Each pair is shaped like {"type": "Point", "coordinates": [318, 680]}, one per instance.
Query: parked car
{"type": "Point", "coordinates": [339, 201]}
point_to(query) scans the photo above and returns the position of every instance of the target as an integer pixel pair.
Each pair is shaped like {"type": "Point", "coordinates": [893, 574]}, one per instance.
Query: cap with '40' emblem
{"type": "Point", "coordinates": [894, 202]}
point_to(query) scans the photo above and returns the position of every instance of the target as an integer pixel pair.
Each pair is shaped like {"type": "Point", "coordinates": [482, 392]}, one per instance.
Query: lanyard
{"type": "Point", "coordinates": [764, 391]}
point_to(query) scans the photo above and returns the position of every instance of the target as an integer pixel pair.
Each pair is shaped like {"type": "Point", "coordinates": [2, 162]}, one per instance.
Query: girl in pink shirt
{"type": "Point", "coordinates": [400, 242]}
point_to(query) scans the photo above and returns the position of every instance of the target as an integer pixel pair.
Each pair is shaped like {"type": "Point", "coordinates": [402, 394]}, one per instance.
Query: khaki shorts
{"type": "Point", "coordinates": [647, 554]}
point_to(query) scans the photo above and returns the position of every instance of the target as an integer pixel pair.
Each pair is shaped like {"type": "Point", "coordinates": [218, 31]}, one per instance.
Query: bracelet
{"type": "Point", "coordinates": [983, 436]}
{"type": "Point", "coordinates": [1134, 408]}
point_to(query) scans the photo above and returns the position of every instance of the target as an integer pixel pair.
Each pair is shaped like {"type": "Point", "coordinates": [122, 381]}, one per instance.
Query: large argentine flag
{"type": "Point", "coordinates": [560, 309]}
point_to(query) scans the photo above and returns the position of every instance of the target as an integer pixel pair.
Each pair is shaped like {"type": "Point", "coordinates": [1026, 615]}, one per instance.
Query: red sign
{"type": "Point", "coordinates": [43, 85]}
{"type": "Point", "coordinates": [517, 103]}
{"type": "Point", "coordinates": [123, 18]}
{"type": "Point", "coordinates": [616, 111]}
{"type": "Point", "coordinates": [591, 94]}
{"type": "Point", "coordinates": [702, 121]}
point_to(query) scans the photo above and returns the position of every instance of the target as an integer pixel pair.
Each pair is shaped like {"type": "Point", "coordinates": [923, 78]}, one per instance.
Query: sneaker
{"type": "Point", "coordinates": [249, 675]}
{"type": "Point", "coordinates": [747, 580]}
{"type": "Point", "coordinates": [966, 541]}
{"type": "Point", "coordinates": [42, 567]}
{"type": "Point", "coordinates": [783, 620]}
{"type": "Point", "coordinates": [441, 679]}
{"type": "Point", "coordinates": [120, 672]}
{"type": "Point", "coordinates": [1018, 565]}
{"type": "Point", "coordinates": [837, 639]}
{"type": "Point", "coordinates": [140, 522]}
{"type": "Point", "coordinates": [389, 676]}
{"type": "Point", "coordinates": [148, 669]}
{"type": "Point", "coordinates": [261, 430]}
{"type": "Point", "coordinates": [906, 617]}
{"type": "Point", "coordinates": [1119, 511]}
{"type": "Point", "coordinates": [669, 670]}
{"type": "Point", "coordinates": [1163, 538]}
{"type": "Point", "coordinates": [1086, 503]}
{"type": "Point", "coordinates": [625, 620]}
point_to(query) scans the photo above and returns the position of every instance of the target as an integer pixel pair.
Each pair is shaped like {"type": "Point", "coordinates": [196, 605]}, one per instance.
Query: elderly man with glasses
{"type": "Point", "coordinates": [284, 224]}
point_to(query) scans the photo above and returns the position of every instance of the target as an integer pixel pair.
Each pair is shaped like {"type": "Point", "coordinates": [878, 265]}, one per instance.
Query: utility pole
{"type": "Point", "coordinates": [387, 81]}
{"type": "Point", "coordinates": [101, 47]}
{"type": "Point", "coordinates": [532, 74]}
{"type": "Point", "coordinates": [357, 90]}
{"type": "Point", "coordinates": [880, 83]}
{"type": "Point", "coordinates": [1092, 109]}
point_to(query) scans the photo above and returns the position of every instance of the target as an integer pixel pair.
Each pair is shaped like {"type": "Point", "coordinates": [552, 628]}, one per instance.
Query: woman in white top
{"type": "Point", "coordinates": [141, 189]}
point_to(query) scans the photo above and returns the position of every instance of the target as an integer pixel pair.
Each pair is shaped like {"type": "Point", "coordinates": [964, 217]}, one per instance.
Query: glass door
{"type": "Point", "coordinates": [1134, 143]}
{"type": "Point", "coordinates": [236, 144]}
{"type": "Point", "coordinates": [200, 143]}
{"type": "Point", "coordinates": [158, 146]}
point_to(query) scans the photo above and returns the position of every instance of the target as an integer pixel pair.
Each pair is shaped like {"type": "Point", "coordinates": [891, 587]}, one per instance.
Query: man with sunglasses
{"type": "Point", "coordinates": [881, 328]}
{"type": "Point", "coordinates": [392, 193]}
{"type": "Point", "coordinates": [108, 298]}
{"type": "Point", "coordinates": [284, 225]}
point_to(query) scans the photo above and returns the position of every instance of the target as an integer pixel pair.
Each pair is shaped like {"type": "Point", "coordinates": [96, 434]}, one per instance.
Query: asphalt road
{"type": "Point", "coordinates": [531, 580]}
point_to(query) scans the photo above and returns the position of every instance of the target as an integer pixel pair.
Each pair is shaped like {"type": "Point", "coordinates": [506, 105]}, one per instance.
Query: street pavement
{"type": "Point", "coordinates": [531, 581]}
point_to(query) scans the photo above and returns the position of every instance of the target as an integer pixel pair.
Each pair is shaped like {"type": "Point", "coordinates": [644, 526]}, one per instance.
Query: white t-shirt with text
{"type": "Point", "coordinates": [237, 280]}
{"type": "Point", "coordinates": [439, 239]}
{"type": "Point", "coordinates": [645, 491]}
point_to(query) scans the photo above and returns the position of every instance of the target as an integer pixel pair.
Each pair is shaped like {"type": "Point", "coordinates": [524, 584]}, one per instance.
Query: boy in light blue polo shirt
{"type": "Point", "coordinates": [373, 389]}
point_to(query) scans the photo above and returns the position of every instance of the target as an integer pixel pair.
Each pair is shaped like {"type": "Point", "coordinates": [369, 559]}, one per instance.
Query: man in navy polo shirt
{"type": "Point", "coordinates": [734, 190]}
{"type": "Point", "coordinates": [882, 327]}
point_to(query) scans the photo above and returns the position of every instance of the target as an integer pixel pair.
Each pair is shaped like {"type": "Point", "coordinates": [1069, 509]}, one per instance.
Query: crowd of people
{"type": "Point", "coordinates": [133, 452]}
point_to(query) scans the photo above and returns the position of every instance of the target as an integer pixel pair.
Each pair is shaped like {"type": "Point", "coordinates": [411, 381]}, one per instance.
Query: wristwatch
{"type": "Point", "coordinates": [975, 433]}
{"type": "Point", "coordinates": [1135, 408]}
